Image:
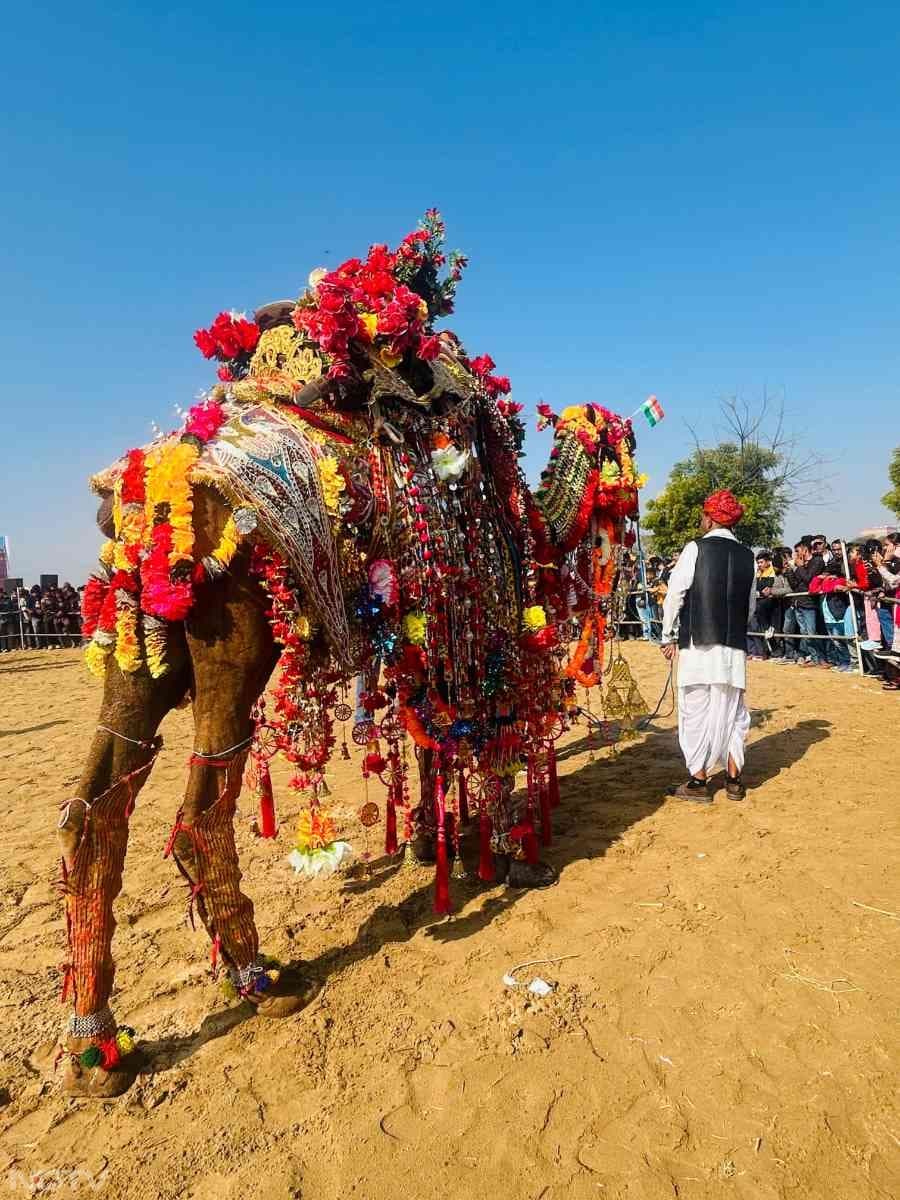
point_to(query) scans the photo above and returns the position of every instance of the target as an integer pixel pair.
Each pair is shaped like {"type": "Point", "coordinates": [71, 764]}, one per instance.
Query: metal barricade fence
{"type": "Point", "coordinates": [855, 639]}
{"type": "Point", "coordinates": [18, 629]}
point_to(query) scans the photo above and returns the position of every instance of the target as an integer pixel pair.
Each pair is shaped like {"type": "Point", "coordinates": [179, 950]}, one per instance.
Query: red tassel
{"type": "Point", "coordinates": [267, 826]}
{"type": "Point", "coordinates": [442, 873]}
{"type": "Point", "coordinates": [486, 869]}
{"type": "Point", "coordinates": [546, 819]}
{"type": "Point", "coordinates": [176, 829]}
{"type": "Point", "coordinates": [390, 822]}
{"type": "Point", "coordinates": [530, 846]}
{"type": "Point", "coordinates": [463, 799]}
{"type": "Point", "coordinates": [554, 777]}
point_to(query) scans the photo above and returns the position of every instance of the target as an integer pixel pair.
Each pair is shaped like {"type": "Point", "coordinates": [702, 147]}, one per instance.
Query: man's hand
{"type": "Point", "coordinates": [668, 651]}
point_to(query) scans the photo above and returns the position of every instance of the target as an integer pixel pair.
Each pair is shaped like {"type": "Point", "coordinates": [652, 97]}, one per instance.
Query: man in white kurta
{"type": "Point", "coordinates": [713, 720]}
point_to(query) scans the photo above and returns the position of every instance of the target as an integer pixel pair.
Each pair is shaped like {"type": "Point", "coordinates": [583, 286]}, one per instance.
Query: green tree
{"type": "Point", "coordinates": [891, 499]}
{"type": "Point", "coordinates": [756, 460]}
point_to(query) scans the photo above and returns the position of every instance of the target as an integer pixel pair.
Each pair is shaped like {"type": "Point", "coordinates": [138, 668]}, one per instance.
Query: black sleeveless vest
{"type": "Point", "coordinates": [716, 605]}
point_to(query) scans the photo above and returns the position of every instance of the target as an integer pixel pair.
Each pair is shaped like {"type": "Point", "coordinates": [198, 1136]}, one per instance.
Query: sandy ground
{"type": "Point", "coordinates": [726, 1028]}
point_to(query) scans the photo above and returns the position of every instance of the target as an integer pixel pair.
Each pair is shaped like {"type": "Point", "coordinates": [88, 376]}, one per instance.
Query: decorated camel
{"type": "Point", "coordinates": [346, 502]}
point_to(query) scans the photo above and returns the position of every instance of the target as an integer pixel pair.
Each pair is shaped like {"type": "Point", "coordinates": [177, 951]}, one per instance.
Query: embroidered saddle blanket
{"type": "Point", "coordinates": [267, 460]}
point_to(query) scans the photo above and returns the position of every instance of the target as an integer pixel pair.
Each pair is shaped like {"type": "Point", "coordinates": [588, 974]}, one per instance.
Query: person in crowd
{"type": "Point", "coordinates": [818, 544]}
{"type": "Point", "coordinates": [9, 622]}
{"type": "Point", "coordinates": [886, 561]}
{"type": "Point", "coordinates": [833, 587]}
{"type": "Point", "coordinates": [888, 566]}
{"type": "Point", "coordinates": [758, 647]}
{"type": "Point", "coordinates": [711, 597]}
{"type": "Point", "coordinates": [657, 590]}
{"type": "Point", "coordinates": [783, 561]}
{"type": "Point", "coordinates": [49, 609]}
{"type": "Point", "coordinates": [32, 618]}
{"type": "Point", "coordinates": [806, 567]}
{"type": "Point", "coordinates": [631, 625]}
{"type": "Point", "coordinates": [70, 615]}
{"type": "Point", "coordinates": [777, 597]}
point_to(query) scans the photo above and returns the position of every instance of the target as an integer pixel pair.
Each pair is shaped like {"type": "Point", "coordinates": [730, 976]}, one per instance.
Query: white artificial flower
{"type": "Point", "coordinates": [316, 277]}
{"type": "Point", "coordinates": [449, 463]}
{"type": "Point", "coordinates": [320, 864]}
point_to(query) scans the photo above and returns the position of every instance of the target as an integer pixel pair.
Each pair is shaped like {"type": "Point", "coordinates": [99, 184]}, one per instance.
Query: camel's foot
{"type": "Point", "coordinates": [287, 993]}
{"type": "Point", "coordinates": [81, 1075]}
{"type": "Point", "coordinates": [516, 873]}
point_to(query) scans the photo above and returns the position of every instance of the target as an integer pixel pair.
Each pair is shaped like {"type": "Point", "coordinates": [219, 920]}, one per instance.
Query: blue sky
{"type": "Point", "coordinates": [694, 200]}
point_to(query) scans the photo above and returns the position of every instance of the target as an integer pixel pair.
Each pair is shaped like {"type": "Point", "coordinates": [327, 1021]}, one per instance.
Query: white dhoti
{"type": "Point", "coordinates": [713, 723]}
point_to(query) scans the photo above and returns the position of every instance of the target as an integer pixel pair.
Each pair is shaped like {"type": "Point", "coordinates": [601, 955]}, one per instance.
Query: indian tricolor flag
{"type": "Point", "coordinates": [652, 410]}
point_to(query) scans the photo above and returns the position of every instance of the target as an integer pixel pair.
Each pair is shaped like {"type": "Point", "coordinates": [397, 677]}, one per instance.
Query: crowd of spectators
{"type": "Point", "coordinates": [40, 618]}
{"type": "Point", "coordinates": [806, 600]}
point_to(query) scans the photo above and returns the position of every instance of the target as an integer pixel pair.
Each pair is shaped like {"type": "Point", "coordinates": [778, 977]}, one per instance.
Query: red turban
{"type": "Point", "coordinates": [723, 508]}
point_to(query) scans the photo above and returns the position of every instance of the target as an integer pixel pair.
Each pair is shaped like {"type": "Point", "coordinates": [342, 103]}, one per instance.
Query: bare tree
{"type": "Point", "coordinates": [768, 452]}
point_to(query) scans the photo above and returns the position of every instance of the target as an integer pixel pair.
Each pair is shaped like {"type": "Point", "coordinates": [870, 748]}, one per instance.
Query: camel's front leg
{"type": "Point", "coordinates": [93, 832]}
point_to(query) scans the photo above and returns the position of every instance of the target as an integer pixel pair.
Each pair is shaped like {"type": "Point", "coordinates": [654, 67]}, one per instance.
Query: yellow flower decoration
{"type": "Point", "coordinates": [124, 1042]}
{"type": "Point", "coordinates": [302, 627]}
{"type": "Point", "coordinates": [369, 322]}
{"type": "Point", "coordinates": [155, 649]}
{"type": "Point", "coordinates": [414, 626]}
{"type": "Point", "coordinates": [315, 831]}
{"type": "Point", "coordinates": [169, 482]}
{"type": "Point", "coordinates": [389, 360]}
{"type": "Point", "coordinates": [95, 657]}
{"type": "Point", "coordinates": [128, 652]}
{"type": "Point", "coordinates": [641, 480]}
{"type": "Point", "coordinates": [228, 543]}
{"type": "Point", "coordinates": [107, 552]}
{"type": "Point", "coordinates": [610, 472]}
{"type": "Point", "coordinates": [534, 618]}
{"type": "Point", "coordinates": [332, 481]}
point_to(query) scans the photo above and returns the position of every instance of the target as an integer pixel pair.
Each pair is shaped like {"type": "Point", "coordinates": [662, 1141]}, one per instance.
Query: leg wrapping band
{"type": "Point", "coordinates": [90, 880]}
{"type": "Point", "coordinates": [206, 855]}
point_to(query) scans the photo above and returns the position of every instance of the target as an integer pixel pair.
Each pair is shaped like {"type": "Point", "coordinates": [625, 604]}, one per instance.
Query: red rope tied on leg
{"type": "Point", "coordinates": [176, 829]}
{"type": "Point", "coordinates": [196, 889]}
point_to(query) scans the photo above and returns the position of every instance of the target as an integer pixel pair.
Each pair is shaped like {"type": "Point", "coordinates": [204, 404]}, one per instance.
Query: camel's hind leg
{"type": "Point", "coordinates": [233, 654]}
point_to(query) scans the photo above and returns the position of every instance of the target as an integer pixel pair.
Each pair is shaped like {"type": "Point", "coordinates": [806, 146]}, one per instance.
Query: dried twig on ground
{"type": "Point", "coordinates": [835, 986]}
{"type": "Point", "coordinates": [884, 912]}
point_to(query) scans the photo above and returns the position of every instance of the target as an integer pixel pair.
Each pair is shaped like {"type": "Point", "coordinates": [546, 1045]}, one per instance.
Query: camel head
{"type": "Point", "coordinates": [587, 493]}
{"type": "Point", "coordinates": [590, 482]}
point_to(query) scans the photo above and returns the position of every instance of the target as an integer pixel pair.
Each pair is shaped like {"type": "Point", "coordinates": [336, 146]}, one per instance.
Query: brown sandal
{"type": "Point", "coordinates": [698, 790]}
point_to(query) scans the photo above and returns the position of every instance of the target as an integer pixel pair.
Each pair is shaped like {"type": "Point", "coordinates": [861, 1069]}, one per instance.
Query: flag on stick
{"type": "Point", "coordinates": [652, 410]}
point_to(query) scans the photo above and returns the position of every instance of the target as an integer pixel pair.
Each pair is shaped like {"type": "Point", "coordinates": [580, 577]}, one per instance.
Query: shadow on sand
{"type": "Point", "coordinates": [596, 809]}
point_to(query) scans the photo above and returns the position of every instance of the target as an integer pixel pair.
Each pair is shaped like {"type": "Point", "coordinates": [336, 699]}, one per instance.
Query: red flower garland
{"type": "Point", "coordinates": [163, 596]}
{"type": "Point", "coordinates": [205, 420]}
{"type": "Point", "coordinates": [228, 337]}
{"type": "Point", "coordinates": [133, 491]}
{"type": "Point", "coordinates": [91, 605]}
